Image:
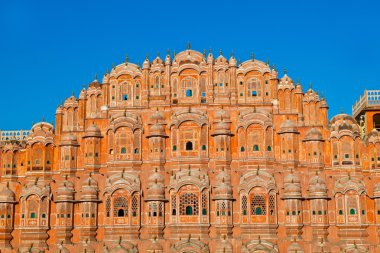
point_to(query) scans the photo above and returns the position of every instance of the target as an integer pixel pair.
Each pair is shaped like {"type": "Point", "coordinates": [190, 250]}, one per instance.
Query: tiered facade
{"type": "Point", "coordinates": [192, 154]}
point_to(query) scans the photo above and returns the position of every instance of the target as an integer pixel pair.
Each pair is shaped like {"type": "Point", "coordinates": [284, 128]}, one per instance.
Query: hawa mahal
{"type": "Point", "coordinates": [194, 153]}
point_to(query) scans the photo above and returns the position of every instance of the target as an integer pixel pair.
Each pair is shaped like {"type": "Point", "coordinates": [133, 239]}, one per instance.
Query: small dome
{"type": "Point", "coordinates": [286, 80]}
{"type": "Point", "coordinates": [223, 191]}
{"type": "Point", "coordinates": [168, 60]}
{"type": "Point", "coordinates": [220, 126]}
{"type": "Point", "coordinates": [156, 177]}
{"type": "Point", "coordinates": [292, 186]}
{"type": "Point", "coordinates": [210, 58]}
{"type": "Point", "coordinates": [313, 135]}
{"type": "Point", "coordinates": [146, 64]}
{"type": "Point", "coordinates": [317, 187]}
{"type": "Point", "coordinates": [232, 62]}
{"type": "Point", "coordinates": [83, 94]}
{"type": "Point", "coordinates": [295, 247]}
{"type": "Point", "coordinates": [6, 194]}
{"type": "Point", "coordinates": [221, 59]}
{"type": "Point", "coordinates": [223, 246]}
{"type": "Point", "coordinates": [92, 131]}
{"type": "Point", "coordinates": [59, 109]}
{"type": "Point", "coordinates": [89, 189]}
{"type": "Point", "coordinates": [157, 116]}
{"type": "Point", "coordinates": [154, 246]}
{"type": "Point", "coordinates": [323, 103]}
{"type": "Point", "coordinates": [298, 89]}
{"type": "Point", "coordinates": [291, 178]}
{"type": "Point", "coordinates": [288, 127]}
{"type": "Point", "coordinates": [69, 139]}
{"type": "Point", "coordinates": [65, 191]}
{"type": "Point", "coordinates": [376, 190]}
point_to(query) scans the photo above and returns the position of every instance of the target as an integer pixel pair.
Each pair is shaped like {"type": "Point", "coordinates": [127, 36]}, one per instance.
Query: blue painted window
{"type": "Point", "coordinates": [125, 97]}
{"type": "Point", "coordinates": [189, 93]}
{"type": "Point", "coordinates": [254, 93]}
{"type": "Point", "coordinates": [203, 94]}
{"type": "Point", "coordinates": [220, 84]}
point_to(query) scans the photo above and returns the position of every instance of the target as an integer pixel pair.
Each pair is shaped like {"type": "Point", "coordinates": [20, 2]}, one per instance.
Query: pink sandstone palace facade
{"type": "Point", "coordinates": [193, 153]}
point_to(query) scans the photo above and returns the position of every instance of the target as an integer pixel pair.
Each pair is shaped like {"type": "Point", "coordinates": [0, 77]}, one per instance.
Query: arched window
{"type": "Point", "coordinates": [120, 207]}
{"type": "Point", "coordinates": [189, 145]}
{"type": "Point", "coordinates": [189, 202]}
{"type": "Point", "coordinates": [123, 150]}
{"type": "Point", "coordinates": [352, 211]}
{"type": "Point", "coordinates": [255, 148]}
{"type": "Point", "coordinates": [258, 206]}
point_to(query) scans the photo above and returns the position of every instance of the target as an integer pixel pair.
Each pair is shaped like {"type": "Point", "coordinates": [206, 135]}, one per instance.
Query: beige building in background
{"type": "Point", "coordinates": [193, 154]}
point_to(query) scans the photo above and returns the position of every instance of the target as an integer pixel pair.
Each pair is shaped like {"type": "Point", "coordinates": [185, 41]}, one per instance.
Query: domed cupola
{"type": "Point", "coordinates": [224, 188]}
{"type": "Point", "coordinates": [295, 247]}
{"type": "Point", "coordinates": [292, 186]}
{"type": "Point", "coordinates": [89, 190]}
{"type": "Point", "coordinates": [313, 135]}
{"type": "Point", "coordinates": [95, 83]}
{"type": "Point", "coordinates": [41, 132]}
{"type": "Point", "coordinates": [83, 94]}
{"type": "Point", "coordinates": [154, 247]}
{"type": "Point", "coordinates": [376, 190]}
{"type": "Point", "coordinates": [210, 58]}
{"type": "Point", "coordinates": [232, 61]}
{"type": "Point", "coordinates": [288, 127]}
{"type": "Point", "coordinates": [156, 190]}
{"type": "Point", "coordinates": [223, 246]}
{"type": "Point", "coordinates": [222, 124]}
{"type": "Point", "coordinates": [146, 63]}
{"type": "Point", "coordinates": [317, 188]}
{"type": "Point", "coordinates": [286, 82]}
{"type": "Point", "coordinates": [65, 191]}
{"type": "Point", "coordinates": [7, 195]}
{"type": "Point", "coordinates": [156, 125]}
{"type": "Point", "coordinates": [93, 131]}
{"type": "Point", "coordinates": [168, 60]}
{"type": "Point", "coordinates": [221, 59]}
{"type": "Point", "coordinates": [69, 139]}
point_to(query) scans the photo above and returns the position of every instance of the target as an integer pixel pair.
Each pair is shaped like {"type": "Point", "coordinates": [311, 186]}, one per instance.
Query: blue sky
{"type": "Point", "coordinates": [49, 49]}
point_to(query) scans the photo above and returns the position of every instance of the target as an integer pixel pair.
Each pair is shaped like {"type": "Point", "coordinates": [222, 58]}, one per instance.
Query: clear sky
{"type": "Point", "coordinates": [49, 49]}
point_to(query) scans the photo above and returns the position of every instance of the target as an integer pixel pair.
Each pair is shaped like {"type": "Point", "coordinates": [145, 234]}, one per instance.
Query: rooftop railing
{"type": "Point", "coordinates": [368, 99]}
{"type": "Point", "coordinates": [19, 135]}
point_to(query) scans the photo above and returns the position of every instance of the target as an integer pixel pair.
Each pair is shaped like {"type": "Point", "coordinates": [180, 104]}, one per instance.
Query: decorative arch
{"type": "Point", "coordinates": [258, 192]}
{"type": "Point", "coordinates": [122, 199]}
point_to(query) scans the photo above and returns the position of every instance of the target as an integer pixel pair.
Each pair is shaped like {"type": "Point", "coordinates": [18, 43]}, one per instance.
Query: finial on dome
{"type": "Point", "coordinates": [220, 52]}
{"type": "Point", "coordinates": [106, 71]}
{"type": "Point", "coordinates": [274, 67]}
{"type": "Point", "coordinates": [204, 52]}
{"type": "Point", "coordinates": [238, 62]}
{"type": "Point", "coordinates": [126, 58]}
{"type": "Point", "coordinates": [43, 118]}
{"type": "Point", "coordinates": [310, 86]}
{"type": "Point", "coordinates": [96, 77]}
{"type": "Point", "coordinates": [113, 66]}
{"type": "Point", "coordinates": [146, 57]}
{"type": "Point", "coordinates": [342, 110]}
{"type": "Point", "coordinates": [252, 56]}
{"type": "Point", "coordinates": [168, 51]}
{"type": "Point", "coordinates": [174, 53]}
{"type": "Point", "coordinates": [188, 45]}
{"type": "Point", "coordinates": [285, 71]}
{"type": "Point", "coordinates": [72, 93]}
{"type": "Point", "coordinates": [158, 54]}
{"type": "Point", "coordinates": [267, 62]}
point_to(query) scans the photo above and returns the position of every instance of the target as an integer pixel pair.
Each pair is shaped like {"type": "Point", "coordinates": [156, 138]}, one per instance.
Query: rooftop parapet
{"type": "Point", "coordinates": [18, 135]}
{"type": "Point", "coordinates": [371, 98]}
